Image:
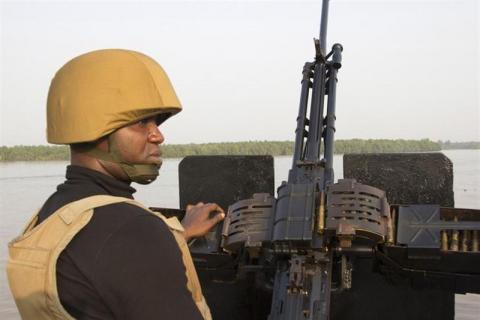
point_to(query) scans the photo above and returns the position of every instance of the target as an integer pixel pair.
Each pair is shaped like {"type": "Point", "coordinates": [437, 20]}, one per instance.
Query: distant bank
{"type": "Point", "coordinates": [274, 148]}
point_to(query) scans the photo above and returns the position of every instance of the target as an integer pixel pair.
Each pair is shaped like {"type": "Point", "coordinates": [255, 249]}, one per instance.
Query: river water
{"type": "Point", "coordinates": [24, 186]}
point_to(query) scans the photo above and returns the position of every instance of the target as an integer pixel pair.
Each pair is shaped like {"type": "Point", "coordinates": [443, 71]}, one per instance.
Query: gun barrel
{"type": "Point", "coordinates": [323, 27]}
{"type": "Point", "coordinates": [335, 64]}
{"type": "Point", "coordinates": [316, 113]}
{"type": "Point", "coordinates": [302, 111]}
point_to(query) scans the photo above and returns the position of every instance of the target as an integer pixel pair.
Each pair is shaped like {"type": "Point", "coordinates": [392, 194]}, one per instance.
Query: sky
{"type": "Point", "coordinates": [410, 68]}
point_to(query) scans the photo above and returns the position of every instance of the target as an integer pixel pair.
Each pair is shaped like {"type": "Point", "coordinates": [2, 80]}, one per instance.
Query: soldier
{"type": "Point", "coordinates": [92, 252]}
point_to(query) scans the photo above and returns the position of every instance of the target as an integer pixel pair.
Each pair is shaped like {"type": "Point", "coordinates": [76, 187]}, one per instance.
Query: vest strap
{"type": "Point", "coordinates": [71, 211]}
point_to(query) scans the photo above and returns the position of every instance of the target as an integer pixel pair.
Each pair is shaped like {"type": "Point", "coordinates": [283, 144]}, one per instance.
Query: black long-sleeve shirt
{"type": "Point", "coordinates": [124, 264]}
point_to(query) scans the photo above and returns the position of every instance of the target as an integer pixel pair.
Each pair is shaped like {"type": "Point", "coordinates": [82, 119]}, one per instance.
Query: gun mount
{"type": "Point", "coordinates": [411, 274]}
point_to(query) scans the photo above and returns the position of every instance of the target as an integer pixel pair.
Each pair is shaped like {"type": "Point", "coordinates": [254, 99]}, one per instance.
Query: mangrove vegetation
{"type": "Point", "coordinates": [275, 148]}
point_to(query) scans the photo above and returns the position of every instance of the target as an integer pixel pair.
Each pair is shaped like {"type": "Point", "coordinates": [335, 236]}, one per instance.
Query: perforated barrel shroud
{"type": "Point", "coordinates": [357, 210]}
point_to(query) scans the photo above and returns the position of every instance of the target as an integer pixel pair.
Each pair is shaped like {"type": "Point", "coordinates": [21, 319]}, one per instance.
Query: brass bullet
{"type": "Point", "coordinates": [465, 235]}
{"type": "Point", "coordinates": [444, 235]}
{"type": "Point", "coordinates": [475, 240]}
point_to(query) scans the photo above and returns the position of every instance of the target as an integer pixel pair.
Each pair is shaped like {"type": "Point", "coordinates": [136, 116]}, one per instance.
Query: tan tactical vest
{"type": "Point", "coordinates": [31, 268]}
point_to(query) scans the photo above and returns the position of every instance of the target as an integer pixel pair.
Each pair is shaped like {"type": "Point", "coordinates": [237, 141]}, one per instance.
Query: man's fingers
{"type": "Point", "coordinates": [219, 217]}
{"type": "Point", "coordinates": [216, 213]}
{"type": "Point", "coordinates": [215, 219]}
{"type": "Point", "coordinates": [214, 207]}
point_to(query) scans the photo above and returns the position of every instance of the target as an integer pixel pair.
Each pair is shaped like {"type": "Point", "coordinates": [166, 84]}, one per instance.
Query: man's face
{"type": "Point", "coordinates": [137, 143]}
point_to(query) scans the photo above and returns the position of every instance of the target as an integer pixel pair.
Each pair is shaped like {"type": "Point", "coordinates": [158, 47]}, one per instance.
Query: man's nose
{"type": "Point", "coordinates": [155, 135]}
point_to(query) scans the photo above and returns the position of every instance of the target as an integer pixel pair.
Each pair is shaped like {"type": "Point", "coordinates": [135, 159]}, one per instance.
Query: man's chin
{"type": "Point", "coordinates": [154, 160]}
{"type": "Point", "coordinates": [158, 162]}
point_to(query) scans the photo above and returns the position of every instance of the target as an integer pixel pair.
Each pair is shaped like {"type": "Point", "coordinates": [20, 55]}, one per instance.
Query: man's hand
{"type": "Point", "coordinates": [200, 218]}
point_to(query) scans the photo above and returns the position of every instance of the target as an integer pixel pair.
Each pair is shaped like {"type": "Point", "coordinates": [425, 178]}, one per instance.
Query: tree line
{"type": "Point", "coordinates": [275, 148]}
{"type": "Point", "coordinates": [448, 145]}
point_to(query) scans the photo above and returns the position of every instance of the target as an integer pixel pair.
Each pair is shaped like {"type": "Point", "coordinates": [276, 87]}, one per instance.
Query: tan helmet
{"type": "Point", "coordinates": [98, 92]}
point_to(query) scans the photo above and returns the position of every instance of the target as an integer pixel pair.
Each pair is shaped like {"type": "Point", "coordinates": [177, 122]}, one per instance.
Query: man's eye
{"type": "Point", "coordinates": [144, 122]}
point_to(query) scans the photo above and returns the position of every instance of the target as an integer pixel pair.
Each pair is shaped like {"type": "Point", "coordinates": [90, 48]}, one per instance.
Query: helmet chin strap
{"type": "Point", "coordinates": [136, 172]}
{"type": "Point", "coordinates": [141, 173]}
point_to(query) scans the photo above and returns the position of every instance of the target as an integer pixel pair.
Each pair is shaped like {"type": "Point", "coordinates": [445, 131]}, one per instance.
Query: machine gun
{"type": "Point", "coordinates": [313, 225]}
{"type": "Point", "coordinates": [283, 258]}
